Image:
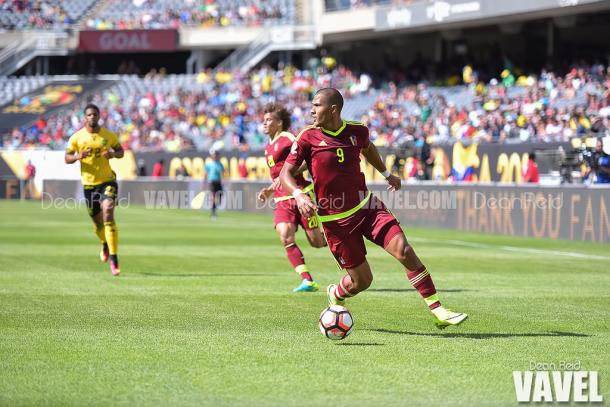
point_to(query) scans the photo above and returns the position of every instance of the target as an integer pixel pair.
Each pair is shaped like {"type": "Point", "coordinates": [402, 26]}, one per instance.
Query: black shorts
{"type": "Point", "coordinates": [95, 194]}
{"type": "Point", "coordinates": [215, 186]}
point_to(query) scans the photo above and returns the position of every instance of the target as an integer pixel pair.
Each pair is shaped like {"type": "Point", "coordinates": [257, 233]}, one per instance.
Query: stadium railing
{"type": "Point", "coordinates": [19, 53]}
{"type": "Point", "coordinates": [284, 38]}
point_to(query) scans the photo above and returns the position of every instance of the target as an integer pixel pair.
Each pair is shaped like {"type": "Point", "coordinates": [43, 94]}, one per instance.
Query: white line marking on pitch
{"type": "Point", "coordinates": [512, 248]}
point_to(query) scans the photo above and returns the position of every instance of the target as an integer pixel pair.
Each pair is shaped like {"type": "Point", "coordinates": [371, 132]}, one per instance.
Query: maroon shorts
{"type": "Point", "coordinates": [345, 236]}
{"type": "Point", "coordinates": [288, 212]}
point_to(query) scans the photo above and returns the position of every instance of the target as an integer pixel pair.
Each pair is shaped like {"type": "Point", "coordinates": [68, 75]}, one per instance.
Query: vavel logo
{"type": "Point", "coordinates": [543, 382]}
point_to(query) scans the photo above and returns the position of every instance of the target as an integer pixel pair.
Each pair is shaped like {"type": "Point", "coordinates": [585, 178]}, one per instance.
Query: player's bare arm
{"type": "Point", "coordinates": [306, 206]}
{"type": "Point", "coordinates": [372, 156]}
{"type": "Point", "coordinates": [301, 169]}
{"type": "Point", "coordinates": [73, 156]}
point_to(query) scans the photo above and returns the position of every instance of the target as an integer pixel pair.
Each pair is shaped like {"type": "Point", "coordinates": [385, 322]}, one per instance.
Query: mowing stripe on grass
{"type": "Point", "coordinates": [511, 248]}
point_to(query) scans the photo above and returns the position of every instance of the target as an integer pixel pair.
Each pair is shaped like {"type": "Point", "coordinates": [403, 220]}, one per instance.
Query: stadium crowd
{"type": "Point", "coordinates": [178, 112]}
{"type": "Point", "coordinates": [154, 14]}
{"type": "Point", "coordinates": [160, 112]}
{"type": "Point", "coordinates": [145, 14]}
{"type": "Point", "coordinates": [38, 14]}
{"type": "Point", "coordinates": [543, 108]}
{"type": "Point", "coordinates": [336, 5]}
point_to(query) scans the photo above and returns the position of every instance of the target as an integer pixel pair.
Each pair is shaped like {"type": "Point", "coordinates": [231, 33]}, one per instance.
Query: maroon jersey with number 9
{"type": "Point", "coordinates": [333, 159]}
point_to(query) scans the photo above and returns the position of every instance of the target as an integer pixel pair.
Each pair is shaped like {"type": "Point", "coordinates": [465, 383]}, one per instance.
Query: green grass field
{"type": "Point", "coordinates": [203, 314]}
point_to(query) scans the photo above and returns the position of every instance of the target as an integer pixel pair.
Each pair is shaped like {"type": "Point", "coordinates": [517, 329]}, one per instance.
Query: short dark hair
{"type": "Point", "coordinates": [91, 106]}
{"type": "Point", "coordinates": [532, 156]}
{"type": "Point", "coordinates": [281, 112]}
{"type": "Point", "coordinates": [333, 95]}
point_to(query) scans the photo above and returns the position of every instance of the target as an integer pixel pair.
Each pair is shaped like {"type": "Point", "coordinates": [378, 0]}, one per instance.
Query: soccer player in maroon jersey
{"type": "Point", "coordinates": [348, 212]}
{"type": "Point", "coordinates": [276, 122]}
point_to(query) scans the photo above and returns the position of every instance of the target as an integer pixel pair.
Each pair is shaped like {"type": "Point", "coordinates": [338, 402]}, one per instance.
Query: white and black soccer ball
{"type": "Point", "coordinates": [336, 322]}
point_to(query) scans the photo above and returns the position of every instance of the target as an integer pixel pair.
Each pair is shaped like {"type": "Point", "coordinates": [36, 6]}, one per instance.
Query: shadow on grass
{"type": "Point", "coordinates": [360, 344]}
{"type": "Point", "coordinates": [483, 335]}
{"type": "Point", "coordinates": [404, 290]}
{"type": "Point", "coordinates": [204, 275]}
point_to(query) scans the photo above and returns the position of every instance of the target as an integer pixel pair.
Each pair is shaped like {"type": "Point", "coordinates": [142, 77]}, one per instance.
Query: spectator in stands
{"type": "Point", "coordinates": [155, 14]}
{"type": "Point", "coordinates": [421, 173]}
{"type": "Point", "coordinates": [424, 154]}
{"type": "Point", "coordinates": [92, 68]}
{"type": "Point", "coordinates": [181, 172]}
{"type": "Point", "coordinates": [132, 68]}
{"type": "Point", "coordinates": [158, 170]}
{"type": "Point", "coordinates": [410, 167]}
{"type": "Point", "coordinates": [602, 161]}
{"type": "Point", "coordinates": [530, 172]}
{"type": "Point", "coordinates": [242, 168]}
{"type": "Point", "coordinates": [141, 168]}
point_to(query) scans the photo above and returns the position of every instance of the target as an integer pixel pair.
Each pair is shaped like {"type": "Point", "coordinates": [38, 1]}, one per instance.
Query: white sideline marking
{"type": "Point", "coordinates": [512, 248]}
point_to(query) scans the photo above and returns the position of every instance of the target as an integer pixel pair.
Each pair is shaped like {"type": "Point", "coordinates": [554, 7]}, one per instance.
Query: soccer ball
{"type": "Point", "coordinates": [336, 322]}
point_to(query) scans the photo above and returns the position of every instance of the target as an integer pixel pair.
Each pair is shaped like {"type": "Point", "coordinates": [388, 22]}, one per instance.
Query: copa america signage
{"type": "Point", "coordinates": [432, 13]}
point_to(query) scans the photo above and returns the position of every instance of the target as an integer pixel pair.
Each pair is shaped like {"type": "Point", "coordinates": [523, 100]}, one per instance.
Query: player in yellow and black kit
{"type": "Point", "coordinates": [94, 146]}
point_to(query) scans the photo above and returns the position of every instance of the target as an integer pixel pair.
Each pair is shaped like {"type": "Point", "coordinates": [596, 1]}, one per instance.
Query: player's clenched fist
{"type": "Point", "coordinates": [108, 153]}
{"type": "Point", "coordinates": [264, 193]}
{"type": "Point", "coordinates": [306, 207]}
{"type": "Point", "coordinates": [85, 153]}
{"type": "Point", "coordinates": [394, 182]}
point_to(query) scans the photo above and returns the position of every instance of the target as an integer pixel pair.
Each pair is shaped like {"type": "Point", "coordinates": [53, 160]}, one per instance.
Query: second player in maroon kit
{"type": "Point", "coordinates": [286, 209]}
{"type": "Point", "coordinates": [331, 148]}
{"type": "Point", "coordinates": [287, 218]}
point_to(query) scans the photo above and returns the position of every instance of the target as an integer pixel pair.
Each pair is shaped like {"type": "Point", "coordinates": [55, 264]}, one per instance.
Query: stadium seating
{"type": "Point", "coordinates": [178, 112]}
{"type": "Point", "coordinates": [148, 14]}
{"type": "Point", "coordinates": [12, 88]}
{"type": "Point", "coordinates": [151, 14]}
{"type": "Point", "coordinates": [336, 5]}
{"type": "Point", "coordinates": [51, 14]}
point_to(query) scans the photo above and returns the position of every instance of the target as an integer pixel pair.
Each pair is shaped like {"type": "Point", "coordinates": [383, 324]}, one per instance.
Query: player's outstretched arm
{"type": "Point", "coordinates": [306, 207]}
{"type": "Point", "coordinates": [372, 156]}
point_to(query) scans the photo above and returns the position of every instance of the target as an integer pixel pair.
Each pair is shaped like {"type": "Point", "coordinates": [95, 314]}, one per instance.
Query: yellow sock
{"type": "Point", "coordinates": [112, 237]}
{"type": "Point", "coordinates": [101, 233]}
